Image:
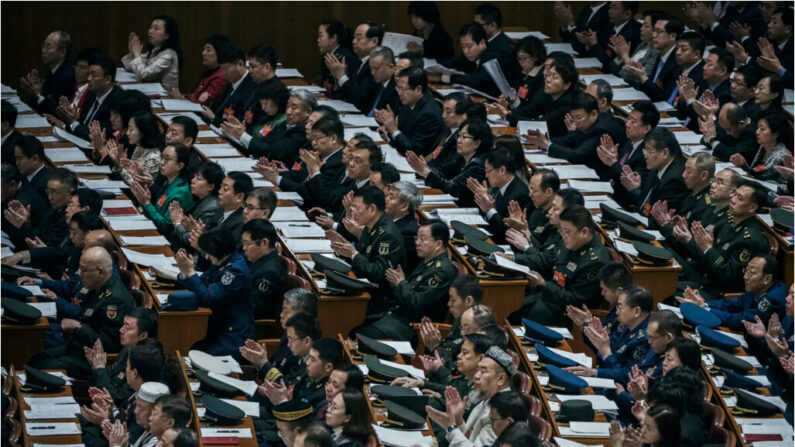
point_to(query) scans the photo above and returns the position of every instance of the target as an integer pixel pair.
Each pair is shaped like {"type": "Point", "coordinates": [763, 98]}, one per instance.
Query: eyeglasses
{"type": "Point", "coordinates": [252, 207]}
{"type": "Point", "coordinates": [462, 136]}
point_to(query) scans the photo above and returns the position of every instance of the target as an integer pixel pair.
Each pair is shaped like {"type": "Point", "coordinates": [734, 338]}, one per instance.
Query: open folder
{"type": "Point", "coordinates": [494, 70]}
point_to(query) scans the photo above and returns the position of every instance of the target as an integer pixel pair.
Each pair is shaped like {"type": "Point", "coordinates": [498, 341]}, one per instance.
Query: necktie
{"type": "Point", "coordinates": [92, 112]}
{"type": "Point", "coordinates": [626, 155]}
{"type": "Point", "coordinates": [672, 98]}
{"type": "Point", "coordinates": [377, 100]}
{"type": "Point", "coordinates": [660, 64]}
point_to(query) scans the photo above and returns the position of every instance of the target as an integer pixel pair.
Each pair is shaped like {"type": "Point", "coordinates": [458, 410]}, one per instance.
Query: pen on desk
{"type": "Point", "coordinates": [300, 225]}
{"type": "Point", "coordinates": [49, 427]}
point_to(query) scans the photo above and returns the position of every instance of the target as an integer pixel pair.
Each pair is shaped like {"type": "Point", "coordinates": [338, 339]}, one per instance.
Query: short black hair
{"type": "Point", "coordinates": [336, 28]}
{"type": "Point", "coordinates": [688, 351]}
{"type": "Point", "coordinates": [371, 196]}
{"type": "Point", "coordinates": [374, 31]}
{"type": "Point", "coordinates": [476, 110]}
{"type": "Point", "coordinates": [317, 435]}
{"type": "Point", "coordinates": [585, 102]}
{"type": "Point", "coordinates": [461, 101]}
{"type": "Point", "coordinates": [375, 155]}
{"type": "Point", "coordinates": [630, 6]}
{"type": "Point", "coordinates": [759, 194]}
{"type": "Point", "coordinates": [510, 405]}
{"type": "Point", "coordinates": [304, 326]}
{"type": "Point", "coordinates": [771, 266]}
{"type": "Point", "coordinates": [473, 30]}
{"type": "Point", "coordinates": [149, 128]}
{"type": "Point", "coordinates": [242, 182]}
{"type": "Point", "coordinates": [329, 351]}
{"type": "Point", "coordinates": [388, 171]}
{"type": "Point", "coordinates": [571, 197]}
{"type": "Point", "coordinates": [260, 229]}
{"type": "Point", "coordinates": [674, 26]}
{"type": "Point", "coordinates": [128, 102]}
{"type": "Point", "coordinates": [416, 77]}
{"type": "Point", "coordinates": [332, 127]}
{"type": "Point", "coordinates": [147, 358]}
{"type": "Point", "coordinates": [496, 335]}
{"type": "Point", "coordinates": [218, 42]}
{"type": "Point", "coordinates": [264, 55]}
{"type": "Point", "coordinates": [88, 54]}
{"type": "Point", "coordinates": [146, 321]}
{"type": "Point", "coordinates": [439, 231]}
{"type": "Point", "coordinates": [8, 113]}
{"type": "Point", "coordinates": [662, 138]}
{"type": "Point", "coordinates": [479, 130]}
{"type": "Point", "coordinates": [175, 407]}
{"type": "Point", "coordinates": [468, 285]}
{"type": "Point", "coordinates": [500, 157]}
{"type": "Point", "coordinates": [519, 433]}
{"type": "Point", "coordinates": [217, 242]}
{"type": "Point", "coordinates": [415, 59]}
{"type": "Point", "coordinates": [533, 46]}
{"type": "Point", "coordinates": [427, 11]}
{"type": "Point", "coordinates": [725, 59]}
{"type": "Point", "coordinates": [90, 198]}
{"type": "Point", "coordinates": [786, 14]}
{"type": "Point", "coordinates": [230, 54]}
{"type": "Point", "coordinates": [266, 197]}
{"type": "Point", "coordinates": [107, 65]}
{"type": "Point", "coordinates": [579, 216]}
{"type": "Point", "coordinates": [694, 39]}
{"type": "Point", "coordinates": [10, 174]}
{"type": "Point", "coordinates": [549, 179]}
{"type": "Point", "coordinates": [489, 13]}
{"type": "Point", "coordinates": [637, 296]}
{"type": "Point", "coordinates": [212, 173]}
{"type": "Point", "coordinates": [650, 116]}
{"type": "Point", "coordinates": [276, 92]}
{"type": "Point", "coordinates": [603, 90]}
{"type": "Point", "coordinates": [189, 127]}
{"type": "Point", "coordinates": [30, 146]}
{"type": "Point", "coordinates": [667, 322]}
{"type": "Point", "coordinates": [615, 275]}
{"type": "Point", "coordinates": [66, 177]}
{"type": "Point", "coordinates": [563, 64]}
{"type": "Point", "coordinates": [355, 378]}
{"type": "Point", "coordinates": [480, 342]}
{"type": "Point", "coordinates": [185, 437]}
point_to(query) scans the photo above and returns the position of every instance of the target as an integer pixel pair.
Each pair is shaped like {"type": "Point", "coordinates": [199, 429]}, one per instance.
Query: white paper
{"type": "Point", "coordinates": [36, 444]}
{"type": "Point", "coordinates": [300, 229]}
{"type": "Point", "coordinates": [103, 183]}
{"type": "Point", "coordinates": [789, 97]}
{"type": "Point", "coordinates": [241, 433]}
{"type": "Point", "coordinates": [53, 412]}
{"type": "Point", "coordinates": [162, 298]}
{"type": "Point", "coordinates": [492, 67]}
{"type": "Point", "coordinates": [562, 47]}
{"type": "Point", "coordinates": [578, 357]}
{"type": "Point", "coordinates": [65, 155]}
{"type": "Point", "coordinates": [51, 428]}
{"type": "Point", "coordinates": [229, 360]}
{"type": "Point", "coordinates": [510, 265]}
{"type": "Point", "coordinates": [48, 139]}
{"type": "Point", "coordinates": [567, 443]}
{"type": "Point", "coordinates": [497, 120]}
{"type": "Point", "coordinates": [611, 79]}
{"type": "Point", "coordinates": [628, 94]}
{"type": "Point", "coordinates": [738, 337]}
{"type": "Point", "coordinates": [33, 290]}
{"type": "Point", "coordinates": [288, 73]}
{"type": "Point", "coordinates": [522, 127]}
{"type": "Point", "coordinates": [144, 240]}
{"type": "Point", "coordinates": [402, 347]}
{"type": "Point", "coordinates": [289, 195]}
{"type": "Point", "coordinates": [687, 137]}
{"type": "Point", "coordinates": [413, 372]}
{"type": "Point", "coordinates": [251, 408]}
{"type": "Point", "coordinates": [145, 259]}
{"type": "Point", "coordinates": [350, 132]}
{"type": "Point", "coordinates": [309, 88]}
{"type": "Point", "coordinates": [519, 35]}
{"type": "Point", "coordinates": [122, 75]}
{"type": "Point", "coordinates": [625, 247]}
{"type": "Point", "coordinates": [398, 42]}
{"type": "Point", "coordinates": [339, 105]}
{"type": "Point", "coordinates": [599, 402]}
{"type": "Point", "coordinates": [288, 214]}
{"type": "Point", "coordinates": [66, 136]}
{"type": "Point", "coordinates": [62, 400]}
{"type": "Point", "coordinates": [587, 62]}
{"type": "Point", "coordinates": [586, 186]}
{"type": "Point", "coordinates": [47, 309]}
{"type": "Point", "coordinates": [181, 105]}
{"type": "Point", "coordinates": [147, 88]}
{"type": "Point", "coordinates": [586, 430]}
{"type": "Point", "coordinates": [575, 172]}
{"type": "Point", "coordinates": [468, 219]}
{"type": "Point", "coordinates": [309, 245]}
{"type": "Point", "coordinates": [132, 225]}
{"type": "Point", "coordinates": [543, 159]}
{"type": "Point", "coordinates": [68, 380]}
{"type": "Point", "coordinates": [750, 359]}
{"type": "Point", "coordinates": [392, 437]}
{"type": "Point", "coordinates": [437, 199]}
{"type": "Point", "coordinates": [597, 382]}
{"type": "Point", "coordinates": [207, 134]}
{"type": "Point", "coordinates": [5, 251]}
{"type": "Point", "coordinates": [89, 169]}
{"type": "Point", "coordinates": [473, 91]}
{"type": "Point", "coordinates": [432, 66]}
{"type": "Point", "coordinates": [167, 117]}
{"type": "Point", "coordinates": [29, 120]}
{"type": "Point", "coordinates": [358, 120]}
{"type": "Point", "coordinates": [235, 164]}
{"type": "Point", "coordinates": [247, 386]}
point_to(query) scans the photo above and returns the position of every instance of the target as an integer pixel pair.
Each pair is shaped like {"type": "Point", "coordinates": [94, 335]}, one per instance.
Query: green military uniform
{"type": "Point", "coordinates": [574, 280]}
{"type": "Point", "coordinates": [720, 268]}
{"type": "Point", "coordinates": [379, 248]}
{"type": "Point", "coordinates": [449, 347]}
{"type": "Point", "coordinates": [422, 294]}
{"type": "Point", "coordinates": [714, 216]}
{"type": "Point", "coordinates": [541, 258]}
{"type": "Point", "coordinates": [540, 229]}
{"type": "Point", "coordinates": [695, 207]}
{"type": "Point", "coordinates": [114, 379]}
{"type": "Point", "coordinates": [102, 314]}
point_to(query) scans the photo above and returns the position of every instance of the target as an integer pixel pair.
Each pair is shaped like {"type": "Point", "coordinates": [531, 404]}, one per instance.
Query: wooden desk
{"type": "Point", "coordinates": [23, 406]}
{"type": "Point", "coordinates": [22, 341]}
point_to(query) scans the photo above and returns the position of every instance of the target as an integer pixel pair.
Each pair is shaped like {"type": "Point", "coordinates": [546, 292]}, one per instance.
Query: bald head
{"type": "Point", "coordinates": [733, 118]}
{"type": "Point", "coordinates": [96, 267]}
{"type": "Point", "coordinates": [100, 238]}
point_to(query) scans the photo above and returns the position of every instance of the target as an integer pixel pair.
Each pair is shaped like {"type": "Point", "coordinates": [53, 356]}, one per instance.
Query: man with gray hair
{"type": "Point", "coordinates": [284, 145]}
{"type": "Point", "coordinates": [403, 199]}
{"type": "Point", "coordinates": [43, 95]}
{"type": "Point", "coordinates": [382, 66]}
{"type": "Point", "coordinates": [102, 313]}
{"type": "Point", "coordinates": [603, 93]}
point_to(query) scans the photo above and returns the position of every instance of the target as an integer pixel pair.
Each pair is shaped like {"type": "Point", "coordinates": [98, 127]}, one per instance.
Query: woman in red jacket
{"type": "Point", "coordinates": [212, 83]}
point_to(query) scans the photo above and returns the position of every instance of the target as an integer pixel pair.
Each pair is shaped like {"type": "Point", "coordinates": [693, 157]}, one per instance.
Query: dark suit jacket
{"type": "Point", "coordinates": [666, 82]}
{"type": "Point", "coordinates": [744, 144]}
{"type": "Point", "coordinates": [438, 45]}
{"type": "Point", "coordinates": [516, 190]}
{"type": "Point", "coordinates": [636, 161]}
{"type": "Point", "coordinates": [419, 127]}
{"type": "Point", "coordinates": [8, 146]}
{"type": "Point", "coordinates": [282, 145]}
{"type": "Point", "coordinates": [388, 98]}
{"type": "Point", "coordinates": [51, 229]}
{"type": "Point", "coordinates": [361, 89]}
{"type": "Point", "coordinates": [234, 224]}
{"type": "Point", "coordinates": [102, 115]}
{"type": "Point", "coordinates": [599, 23]}
{"type": "Point", "coordinates": [750, 107]}
{"type": "Point", "coordinates": [408, 226]}
{"type": "Point", "coordinates": [502, 46]}
{"type": "Point", "coordinates": [39, 207]}
{"type": "Point", "coordinates": [543, 107]}
{"type": "Point", "coordinates": [721, 91]}
{"type": "Point", "coordinates": [327, 80]}
{"type": "Point", "coordinates": [38, 184]}
{"type": "Point", "coordinates": [580, 147]}
{"type": "Point", "coordinates": [60, 83]}
{"type": "Point", "coordinates": [455, 182]}
{"type": "Point", "coordinates": [315, 190]}
{"type": "Point", "coordinates": [477, 77]}
{"type": "Point", "coordinates": [671, 188]}
{"type": "Point", "coordinates": [444, 153]}
{"type": "Point", "coordinates": [236, 101]}
{"type": "Point", "coordinates": [630, 32]}
{"type": "Point", "coordinates": [749, 14]}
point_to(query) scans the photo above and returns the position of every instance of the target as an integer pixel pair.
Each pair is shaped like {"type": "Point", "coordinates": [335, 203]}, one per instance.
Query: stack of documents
{"type": "Point", "coordinates": [149, 89]}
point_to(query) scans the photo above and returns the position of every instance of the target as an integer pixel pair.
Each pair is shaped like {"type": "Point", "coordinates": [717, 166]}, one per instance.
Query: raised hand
{"type": "Point", "coordinates": [756, 328]}
{"type": "Point", "coordinates": [255, 353]}
{"type": "Point", "coordinates": [418, 163]}
{"type": "Point", "coordinates": [431, 364]}
{"type": "Point", "coordinates": [395, 276]}
{"type": "Point", "coordinates": [431, 337]}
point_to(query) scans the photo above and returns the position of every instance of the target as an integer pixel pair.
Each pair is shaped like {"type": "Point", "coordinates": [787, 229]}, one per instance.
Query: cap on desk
{"type": "Point", "coordinates": [492, 269]}
{"type": "Point", "coordinates": [698, 316]}
{"type": "Point", "coordinates": [630, 232]}
{"type": "Point", "coordinates": [610, 217]}
{"type": "Point", "coordinates": [539, 333]}
{"type": "Point", "coordinates": [406, 397]}
{"type": "Point", "coordinates": [38, 381]}
{"type": "Point", "coordinates": [481, 247]}
{"type": "Point", "coordinates": [734, 380]}
{"type": "Point", "coordinates": [716, 339]}
{"type": "Point", "coordinates": [725, 360]}
{"type": "Point", "coordinates": [219, 412]}
{"type": "Point", "coordinates": [561, 380]}
{"type": "Point", "coordinates": [377, 372]}
{"type": "Point", "coordinates": [292, 410]}
{"type": "Point", "coordinates": [339, 284]}
{"type": "Point", "coordinates": [460, 230]}
{"type": "Point", "coordinates": [399, 416]}
{"type": "Point", "coordinates": [549, 357]}
{"type": "Point", "coordinates": [578, 410]}
{"type": "Point", "coordinates": [10, 273]}
{"type": "Point", "coordinates": [372, 346]}
{"type": "Point", "coordinates": [749, 404]}
{"type": "Point", "coordinates": [782, 220]}
{"type": "Point", "coordinates": [207, 362]}
{"type": "Point", "coordinates": [214, 386]}
{"type": "Point", "coordinates": [181, 301]}
{"type": "Point", "coordinates": [17, 312]}
{"type": "Point", "coordinates": [651, 255]}
{"type": "Point", "coordinates": [151, 391]}
{"type": "Point", "coordinates": [324, 263]}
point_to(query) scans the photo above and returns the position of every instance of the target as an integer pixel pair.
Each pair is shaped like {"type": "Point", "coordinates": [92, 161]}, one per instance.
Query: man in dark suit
{"type": "Point", "coordinates": [735, 134]}
{"type": "Point", "coordinates": [10, 135]}
{"type": "Point", "coordinates": [444, 154]}
{"type": "Point", "coordinates": [419, 120]}
{"type": "Point", "coordinates": [718, 67]}
{"type": "Point", "coordinates": [360, 89]}
{"type": "Point", "coordinates": [331, 38]}
{"type": "Point", "coordinates": [284, 144]}
{"type": "Point", "coordinates": [622, 23]}
{"type": "Point", "coordinates": [780, 34]}
{"type": "Point", "coordinates": [238, 91]}
{"type": "Point", "coordinates": [579, 145]}
{"type": "Point", "coordinates": [662, 82]}
{"type": "Point", "coordinates": [742, 89]}
{"type": "Point", "coordinates": [96, 107]}
{"type": "Point", "coordinates": [43, 96]}
{"type": "Point", "coordinates": [664, 181]}
{"type": "Point", "coordinates": [593, 19]}
{"type": "Point", "coordinates": [474, 53]}
{"type": "Point", "coordinates": [689, 57]}
{"type": "Point", "coordinates": [358, 159]}
{"type": "Point", "coordinates": [382, 67]}
{"type": "Point", "coordinates": [490, 17]}
{"type": "Point", "coordinates": [641, 120]}
{"type": "Point", "coordinates": [262, 62]}
{"type": "Point", "coordinates": [232, 198]}
{"type": "Point", "coordinates": [718, 27]}
{"type": "Point", "coordinates": [504, 188]}
{"type": "Point", "coordinates": [30, 160]}
{"type": "Point", "coordinates": [12, 191]}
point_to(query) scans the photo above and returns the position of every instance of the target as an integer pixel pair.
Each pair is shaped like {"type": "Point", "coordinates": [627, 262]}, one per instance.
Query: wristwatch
{"type": "Point", "coordinates": [450, 429]}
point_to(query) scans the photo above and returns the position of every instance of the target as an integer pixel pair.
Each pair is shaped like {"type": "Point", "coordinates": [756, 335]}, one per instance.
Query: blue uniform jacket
{"type": "Point", "coordinates": [633, 347]}
{"type": "Point", "coordinates": [226, 290]}
{"type": "Point", "coordinates": [732, 311]}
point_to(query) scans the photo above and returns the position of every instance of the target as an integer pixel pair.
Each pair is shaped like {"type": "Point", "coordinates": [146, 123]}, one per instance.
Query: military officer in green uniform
{"type": "Point", "coordinates": [380, 246]}
{"type": "Point", "coordinates": [544, 183]}
{"type": "Point", "coordinates": [423, 293]}
{"type": "Point", "coordinates": [101, 316]}
{"type": "Point", "coordinates": [716, 259]}
{"type": "Point", "coordinates": [573, 279]}
{"type": "Point", "coordinates": [698, 174]}
{"type": "Point", "coordinates": [465, 293]}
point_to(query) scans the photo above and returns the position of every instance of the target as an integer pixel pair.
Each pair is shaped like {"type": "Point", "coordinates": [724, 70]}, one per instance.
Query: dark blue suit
{"type": "Point", "coordinates": [631, 348]}
{"type": "Point", "coordinates": [733, 311]}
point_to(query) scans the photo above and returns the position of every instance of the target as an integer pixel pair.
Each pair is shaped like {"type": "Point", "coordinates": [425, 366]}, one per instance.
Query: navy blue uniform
{"type": "Point", "coordinates": [732, 311]}
{"type": "Point", "coordinates": [631, 349]}
{"type": "Point", "coordinates": [267, 276]}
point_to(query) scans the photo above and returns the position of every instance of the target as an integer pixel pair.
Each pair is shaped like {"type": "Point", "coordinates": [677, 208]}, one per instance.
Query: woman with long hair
{"type": "Point", "coordinates": [159, 61]}
{"type": "Point", "coordinates": [348, 416]}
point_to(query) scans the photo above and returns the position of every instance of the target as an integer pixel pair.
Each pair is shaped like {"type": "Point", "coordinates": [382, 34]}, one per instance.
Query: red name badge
{"type": "Point", "coordinates": [522, 92]}
{"type": "Point", "coordinates": [437, 151]}
{"type": "Point", "coordinates": [228, 112]}
{"type": "Point", "coordinates": [296, 166]}
{"type": "Point", "coordinates": [646, 209]}
{"type": "Point", "coordinates": [559, 278]}
{"type": "Point", "coordinates": [249, 117]}
{"type": "Point", "coordinates": [265, 130]}
{"type": "Point", "coordinates": [161, 201]}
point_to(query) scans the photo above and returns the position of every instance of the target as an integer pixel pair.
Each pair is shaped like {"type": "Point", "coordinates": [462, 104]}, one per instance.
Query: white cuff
{"type": "Point", "coordinates": [490, 213]}
{"type": "Point", "coordinates": [714, 25]}
{"type": "Point", "coordinates": [39, 99]}
{"type": "Point", "coordinates": [74, 125]}
{"type": "Point", "coordinates": [446, 78]}
{"type": "Point", "coordinates": [245, 139]}
{"type": "Point", "coordinates": [396, 133]}
{"type": "Point", "coordinates": [342, 80]}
